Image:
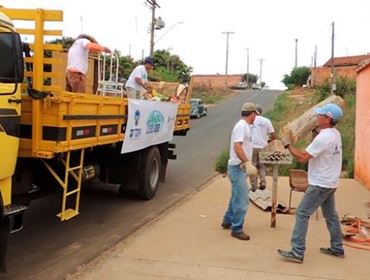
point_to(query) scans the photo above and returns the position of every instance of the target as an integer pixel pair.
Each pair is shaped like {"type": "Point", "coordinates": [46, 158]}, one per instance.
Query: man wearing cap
{"type": "Point", "coordinates": [137, 83]}
{"type": "Point", "coordinates": [262, 132]}
{"type": "Point", "coordinates": [77, 64]}
{"type": "Point", "coordinates": [239, 166]}
{"type": "Point", "coordinates": [324, 156]}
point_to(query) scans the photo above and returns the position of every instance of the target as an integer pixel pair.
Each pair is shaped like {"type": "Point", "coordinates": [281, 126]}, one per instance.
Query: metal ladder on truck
{"type": "Point", "coordinates": [76, 173]}
{"type": "Point", "coordinates": [110, 86]}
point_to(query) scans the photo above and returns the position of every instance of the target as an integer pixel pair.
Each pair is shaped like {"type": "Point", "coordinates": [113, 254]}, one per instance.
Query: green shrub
{"type": "Point", "coordinates": [344, 86]}
{"type": "Point", "coordinates": [221, 162]}
{"type": "Point", "coordinates": [347, 129]}
{"type": "Point", "coordinates": [298, 77]}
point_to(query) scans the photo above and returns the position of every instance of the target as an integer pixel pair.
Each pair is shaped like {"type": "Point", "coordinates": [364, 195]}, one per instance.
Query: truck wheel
{"type": "Point", "coordinates": [149, 173]}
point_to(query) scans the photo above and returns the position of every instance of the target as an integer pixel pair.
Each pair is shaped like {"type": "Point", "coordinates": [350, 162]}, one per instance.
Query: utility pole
{"type": "Point", "coordinates": [315, 57]}
{"type": "Point", "coordinates": [333, 86]}
{"type": "Point", "coordinates": [227, 53]}
{"type": "Point", "coordinates": [153, 5]}
{"type": "Point", "coordinates": [261, 61]}
{"type": "Point", "coordinates": [296, 53]}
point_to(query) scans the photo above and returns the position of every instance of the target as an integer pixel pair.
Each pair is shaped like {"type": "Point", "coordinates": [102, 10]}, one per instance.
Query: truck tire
{"type": "Point", "coordinates": [149, 173]}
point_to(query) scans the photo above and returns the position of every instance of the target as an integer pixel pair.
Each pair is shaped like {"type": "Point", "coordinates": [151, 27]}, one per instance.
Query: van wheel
{"type": "Point", "coordinates": [149, 173]}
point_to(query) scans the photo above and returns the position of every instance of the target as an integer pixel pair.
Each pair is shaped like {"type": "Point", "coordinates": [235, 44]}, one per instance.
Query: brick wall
{"type": "Point", "coordinates": [321, 74]}
{"type": "Point", "coordinates": [214, 81]}
{"type": "Point", "coordinates": [362, 147]}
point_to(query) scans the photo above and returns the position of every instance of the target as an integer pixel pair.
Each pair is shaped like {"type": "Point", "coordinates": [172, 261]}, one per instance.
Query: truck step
{"type": "Point", "coordinates": [14, 209]}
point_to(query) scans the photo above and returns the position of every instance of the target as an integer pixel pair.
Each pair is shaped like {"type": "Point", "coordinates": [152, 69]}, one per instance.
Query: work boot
{"type": "Point", "coordinates": [226, 225]}
{"type": "Point", "coordinates": [240, 235]}
{"type": "Point", "coordinates": [291, 256]}
{"type": "Point", "coordinates": [330, 252]}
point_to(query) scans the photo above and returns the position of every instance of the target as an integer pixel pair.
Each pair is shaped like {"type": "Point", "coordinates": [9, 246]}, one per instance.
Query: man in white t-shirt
{"type": "Point", "coordinates": [137, 83]}
{"type": "Point", "coordinates": [239, 166]}
{"type": "Point", "coordinates": [262, 132]}
{"type": "Point", "coordinates": [324, 156]}
{"type": "Point", "coordinates": [77, 64]}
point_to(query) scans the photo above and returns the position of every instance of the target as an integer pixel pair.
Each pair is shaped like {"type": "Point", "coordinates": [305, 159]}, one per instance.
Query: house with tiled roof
{"type": "Point", "coordinates": [345, 66]}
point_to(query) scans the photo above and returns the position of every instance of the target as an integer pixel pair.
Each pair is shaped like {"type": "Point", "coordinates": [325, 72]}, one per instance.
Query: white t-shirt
{"type": "Point", "coordinates": [260, 129]}
{"type": "Point", "coordinates": [240, 133]}
{"type": "Point", "coordinates": [140, 72]}
{"type": "Point", "coordinates": [78, 56]}
{"type": "Point", "coordinates": [325, 166]}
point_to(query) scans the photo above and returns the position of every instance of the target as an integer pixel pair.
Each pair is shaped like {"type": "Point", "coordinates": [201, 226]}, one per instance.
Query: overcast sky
{"type": "Point", "coordinates": [267, 27]}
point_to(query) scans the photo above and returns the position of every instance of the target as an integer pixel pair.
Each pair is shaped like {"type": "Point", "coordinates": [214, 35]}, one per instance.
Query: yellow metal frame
{"type": "Point", "coordinates": [69, 213]}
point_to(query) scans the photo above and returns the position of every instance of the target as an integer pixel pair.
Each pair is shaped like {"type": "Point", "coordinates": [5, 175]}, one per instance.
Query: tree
{"type": "Point", "coordinates": [170, 67]}
{"type": "Point", "coordinates": [298, 77]}
{"type": "Point", "coordinates": [251, 78]}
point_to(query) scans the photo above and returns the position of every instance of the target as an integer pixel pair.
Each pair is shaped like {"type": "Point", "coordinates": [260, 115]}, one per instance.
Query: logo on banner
{"type": "Point", "coordinates": [135, 133]}
{"type": "Point", "coordinates": [155, 122]}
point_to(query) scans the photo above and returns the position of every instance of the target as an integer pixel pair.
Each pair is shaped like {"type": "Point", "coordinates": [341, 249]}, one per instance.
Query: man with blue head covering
{"type": "Point", "coordinates": [324, 157]}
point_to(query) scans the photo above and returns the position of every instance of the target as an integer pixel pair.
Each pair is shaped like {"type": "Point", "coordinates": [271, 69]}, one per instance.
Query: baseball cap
{"type": "Point", "coordinates": [250, 107]}
{"type": "Point", "coordinates": [149, 60]}
{"type": "Point", "coordinates": [331, 110]}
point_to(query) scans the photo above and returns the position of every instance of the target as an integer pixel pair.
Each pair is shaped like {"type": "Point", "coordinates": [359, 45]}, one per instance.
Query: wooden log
{"type": "Point", "coordinates": [303, 125]}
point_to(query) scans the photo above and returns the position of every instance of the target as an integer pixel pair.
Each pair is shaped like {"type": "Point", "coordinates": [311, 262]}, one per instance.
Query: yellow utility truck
{"type": "Point", "coordinates": [72, 137]}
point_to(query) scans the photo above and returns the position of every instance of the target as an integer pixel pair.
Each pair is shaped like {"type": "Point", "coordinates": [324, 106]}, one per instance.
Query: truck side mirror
{"type": "Point", "coordinates": [11, 57]}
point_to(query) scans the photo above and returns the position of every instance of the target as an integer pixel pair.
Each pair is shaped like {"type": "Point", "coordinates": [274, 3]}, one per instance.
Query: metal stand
{"type": "Point", "coordinates": [275, 176]}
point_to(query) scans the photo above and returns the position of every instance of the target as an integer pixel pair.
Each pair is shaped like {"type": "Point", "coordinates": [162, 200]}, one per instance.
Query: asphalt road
{"type": "Point", "coordinates": [50, 249]}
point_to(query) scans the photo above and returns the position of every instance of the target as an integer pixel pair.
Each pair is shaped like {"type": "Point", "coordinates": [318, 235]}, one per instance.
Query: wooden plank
{"type": "Point", "coordinates": [303, 125]}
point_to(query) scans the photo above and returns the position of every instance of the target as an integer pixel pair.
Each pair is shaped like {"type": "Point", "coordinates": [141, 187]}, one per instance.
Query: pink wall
{"type": "Point", "coordinates": [362, 142]}
{"type": "Point", "coordinates": [214, 81]}
{"type": "Point", "coordinates": [320, 74]}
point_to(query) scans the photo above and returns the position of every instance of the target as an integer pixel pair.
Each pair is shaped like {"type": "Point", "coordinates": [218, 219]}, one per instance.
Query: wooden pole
{"type": "Point", "coordinates": [275, 177]}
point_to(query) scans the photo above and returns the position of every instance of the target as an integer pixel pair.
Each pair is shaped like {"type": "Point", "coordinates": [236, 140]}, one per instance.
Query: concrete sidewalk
{"type": "Point", "coordinates": [187, 242]}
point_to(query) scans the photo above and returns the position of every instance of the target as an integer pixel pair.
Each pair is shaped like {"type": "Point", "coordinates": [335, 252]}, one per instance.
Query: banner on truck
{"type": "Point", "coordinates": [149, 123]}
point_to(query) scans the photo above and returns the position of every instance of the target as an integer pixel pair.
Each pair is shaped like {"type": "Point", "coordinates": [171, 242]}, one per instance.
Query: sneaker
{"type": "Point", "coordinates": [240, 235]}
{"type": "Point", "coordinates": [291, 256]}
{"type": "Point", "coordinates": [226, 225]}
{"type": "Point", "coordinates": [330, 252]}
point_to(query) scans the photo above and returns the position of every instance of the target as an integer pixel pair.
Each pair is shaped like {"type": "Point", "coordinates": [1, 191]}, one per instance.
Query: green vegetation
{"type": "Point", "coordinates": [169, 67]}
{"type": "Point", "coordinates": [221, 162]}
{"type": "Point", "coordinates": [251, 78]}
{"type": "Point", "coordinates": [212, 96]}
{"type": "Point", "coordinates": [344, 86]}
{"type": "Point", "coordinates": [298, 77]}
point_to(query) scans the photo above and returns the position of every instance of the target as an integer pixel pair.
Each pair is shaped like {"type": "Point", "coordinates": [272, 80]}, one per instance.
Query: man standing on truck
{"type": "Point", "coordinates": [262, 132]}
{"type": "Point", "coordinates": [77, 64]}
{"type": "Point", "coordinates": [239, 166]}
{"type": "Point", "coordinates": [137, 83]}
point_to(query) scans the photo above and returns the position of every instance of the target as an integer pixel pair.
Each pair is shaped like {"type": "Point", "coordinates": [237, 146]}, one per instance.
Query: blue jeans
{"type": "Point", "coordinates": [239, 200]}
{"type": "Point", "coordinates": [313, 198]}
